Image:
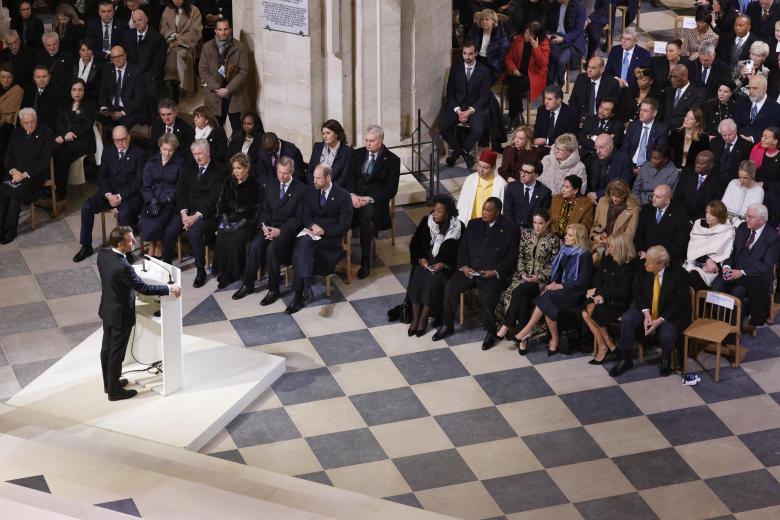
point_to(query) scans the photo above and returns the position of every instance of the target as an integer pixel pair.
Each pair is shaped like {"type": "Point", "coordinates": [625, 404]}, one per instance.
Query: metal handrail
{"type": "Point", "coordinates": [432, 165]}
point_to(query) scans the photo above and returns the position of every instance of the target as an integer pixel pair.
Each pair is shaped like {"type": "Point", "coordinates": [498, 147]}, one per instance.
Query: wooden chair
{"type": "Point", "coordinates": [344, 265]}
{"type": "Point", "coordinates": [178, 247]}
{"type": "Point", "coordinates": [624, 15]}
{"type": "Point", "coordinates": [462, 305]}
{"type": "Point", "coordinates": [678, 25]}
{"type": "Point", "coordinates": [717, 318]}
{"type": "Point", "coordinates": [103, 224]}
{"type": "Point", "coordinates": [76, 176]}
{"type": "Point", "coordinates": [56, 207]}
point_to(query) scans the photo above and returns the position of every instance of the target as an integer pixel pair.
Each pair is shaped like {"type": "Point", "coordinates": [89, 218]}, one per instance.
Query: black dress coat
{"type": "Point", "coordinates": [677, 143]}
{"type": "Point", "coordinates": [32, 154]}
{"type": "Point", "coordinates": [335, 219]}
{"type": "Point", "coordinates": [490, 248]}
{"type": "Point", "coordinates": [674, 114]}
{"type": "Point", "coordinates": [565, 122]}
{"type": "Point", "coordinates": [47, 105]}
{"type": "Point", "coordinates": [338, 166]}
{"type": "Point", "coordinates": [22, 62]}
{"type": "Point", "coordinates": [671, 232]}
{"type": "Point", "coordinates": [285, 214]}
{"type": "Point", "coordinates": [123, 177]}
{"type": "Point", "coordinates": [34, 30]}
{"type": "Point", "coordinates": [614, 282]}
{"type": "Point", "coordinates": [264, 166]}
{"type": "Point", "coordinates": [674, 302]}
{"type": "Point", "coordinates": [715, 112]}
{"type": "Point", "coordinates": [693, 200]}
{"type": "Point", "coordinates": [94, 78]}
{"type": "Point", "coordinates": [199, 194]}
{"type": "Point", "coordinates": [149, 57]}
{"type": "Point", "coordinates": [218, 145]}
{"type": "Point", "coordinates": [728, 167]}
{"type": "Point", "coordinates": [59, 65]}
{"type": "Point", "coordinates": [183, 132]}
{"type": "Point", "coordinates": [382, 185]}
{"type": "Point", "coordinates": [593, 127]}
{"type": "Point", "coordinates": [235, 145]}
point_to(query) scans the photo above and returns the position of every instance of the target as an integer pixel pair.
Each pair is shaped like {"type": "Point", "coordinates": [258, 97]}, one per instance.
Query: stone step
{"type": "Point", "coordinates": [17, 501]}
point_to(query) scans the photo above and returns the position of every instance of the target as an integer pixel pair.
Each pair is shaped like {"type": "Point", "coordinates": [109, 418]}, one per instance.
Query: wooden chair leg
{"type": "Point", "coordinates": [392, 222]}
{"type": "Point", "coordinates": [461, 308]}
{"type": "Point", "coordinates": [286, 276]}
{"type": "Point", "coordinates": [178, 247]}
{"type": "Point", "coordinates": [33, 220]}
{"type": "Point", "coordinates": [103, 227]}
{"type": "Point", "coordinates": [327, 285]}
{"type": "Point", "coordinates": [717, 362]}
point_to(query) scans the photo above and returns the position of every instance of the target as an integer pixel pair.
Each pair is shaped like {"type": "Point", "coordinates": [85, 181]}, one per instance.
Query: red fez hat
{"type": "Point", "coordinates": [488, 156]}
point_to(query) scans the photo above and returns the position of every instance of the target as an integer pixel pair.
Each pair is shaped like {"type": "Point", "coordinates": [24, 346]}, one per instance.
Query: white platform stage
{"type": "Point", "coordinates": [220, 381]}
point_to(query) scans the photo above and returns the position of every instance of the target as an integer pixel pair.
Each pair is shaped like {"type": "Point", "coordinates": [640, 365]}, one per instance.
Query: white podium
{"type": "Point", "coordinates": [157, 338]}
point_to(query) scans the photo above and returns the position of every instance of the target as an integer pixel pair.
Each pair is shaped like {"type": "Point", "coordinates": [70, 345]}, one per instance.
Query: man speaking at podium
{"type": "Point", "coordinates": [119, 282]}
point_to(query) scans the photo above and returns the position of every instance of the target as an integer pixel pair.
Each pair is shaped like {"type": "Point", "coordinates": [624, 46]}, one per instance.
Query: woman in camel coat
{"type": "Point", "coordinates": [182, 28]}
{"type": "Point", "coordinates": [616, 212]}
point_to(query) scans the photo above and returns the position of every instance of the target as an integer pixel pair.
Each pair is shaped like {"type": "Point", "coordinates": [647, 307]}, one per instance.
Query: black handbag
{"type": "Point", "coordinates": [401, 313]}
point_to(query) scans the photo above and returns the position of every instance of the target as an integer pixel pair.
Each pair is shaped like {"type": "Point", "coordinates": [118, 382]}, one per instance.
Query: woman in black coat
{"type": "Point", "coordinates": [333, 150]}
{"type": "Point", "coordinates": [69, 27]}
{"type": "Point", "coordinates": [160, 222]}
{"type": "Point", "coordinates": [611, 293]}
{"type": "Point", "coordinates": [434, 254]}
{"type": "Point", "coordinates": [74, 135]}
{"type": "Point", "coordinates": [662, 65]}
{"type": "Point", "coordinates": [721, 107]}
{"type": "Point", "coordinates": [89, 68]}
{"type": "Point", "coordinates": [29, 26]}
{"type": "Point", "coordinates": [687, 141]}
{"type": "Point", "coordinates": [206, 127]}
{"type": "Point", "coordinates": [238, 200]}
{"type": "Point", "coordinates": [247, 141]}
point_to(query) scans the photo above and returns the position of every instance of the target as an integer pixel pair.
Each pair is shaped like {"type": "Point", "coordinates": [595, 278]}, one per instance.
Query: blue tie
{"type": "Point", "coordinates": [624, 67]}
{"type": "Point", "coordinates": [281, 192]}
{"type": "Point", "coordinates": [658, 215]}
{"type": "Point", "coordinates": [700, 181]}
{"type": "Point", "coordinates": [323, 200]}
{"type": "Point", "coordinates": [642, 158]}
{"type": "Point", "coordinates": [753, 113]}
{"type": "Point", "coordinates": [745, 4]}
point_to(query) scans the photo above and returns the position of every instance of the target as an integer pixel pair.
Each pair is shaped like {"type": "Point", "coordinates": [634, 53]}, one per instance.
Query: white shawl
{"type": "Point", "coordinates": [715, 242]}
{"type": "Point", "coordinates": [469, 192]}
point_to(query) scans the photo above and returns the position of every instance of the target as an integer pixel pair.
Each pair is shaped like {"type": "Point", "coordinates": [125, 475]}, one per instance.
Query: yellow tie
{"type": "Point", "coordinates": [656, 297]}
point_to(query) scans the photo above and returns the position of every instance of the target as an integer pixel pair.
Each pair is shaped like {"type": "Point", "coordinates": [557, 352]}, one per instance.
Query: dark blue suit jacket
{"type": "Point", "coordinates": [566, 122]}
{"type": "Point", "coordinates": [760, 260]}
{"type": "Point", "coordinates": [122, 177]}
{"type": "Point", "coordinates": [335, 218]}
{"type": "Point", "coordinates": [658, 135]}
{"type": "Point", "coordinates": [517, 208]}
{"type": "Point", "coordinates": [639, 58]}
{"type": "Point", "coordinates": [94, 33]}
{"type": "Point", "coordinates": [769, 115]}
{"type": "Point", "coordinates": [600, 14]}
{"type": "Point", "coordinates": [574, 23]}
{"type": "Point", "coordinates": [619, 166]}
{"type": "Point", "coordinates": [339, 163]}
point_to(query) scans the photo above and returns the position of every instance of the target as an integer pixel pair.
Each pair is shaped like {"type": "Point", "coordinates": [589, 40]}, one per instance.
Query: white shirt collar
{"type": "Point", "coordinates": [630, 52]}
{"type": "Point", "coordinates": [684, 88]}
{"type": "Point", "coordinates": [327, 190]}
{"type": "Point", "coordinates": [138, 33]}
{"type": "Point", "coordinates": [760, 104]}
{"type": "Point", "coordinates": [531, 187]}
{"type": "Point", "coordinates": [117, 251]}
{"type": "Point", "coordinates": [205, 166]}
{"type": "Point", "coordinates": [116, 69]}
{"type": "Point", "coordinates": [661, 275]}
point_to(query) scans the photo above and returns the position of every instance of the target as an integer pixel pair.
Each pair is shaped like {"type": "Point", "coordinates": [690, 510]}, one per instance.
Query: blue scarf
{"type": "Point", "coordinates": [572, 270]}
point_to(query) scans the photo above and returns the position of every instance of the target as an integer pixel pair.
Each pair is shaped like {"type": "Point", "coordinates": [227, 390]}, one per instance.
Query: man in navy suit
{"type": "Point", "coordinates": [681, 97]}
{"type": "Point", "coordinates": [122, 100]}
{"type": "Point", "coordinates": [605, 166]}
{"type": "Point", "coordinates": [522, 198]}
{"type": "Point", "coordinates": [327, 215]}
{"type": "Point", "coordinates": [747, 273]}
{"type": "Point", "coordinates": [590, 89]}
{"type": "Point", "coordinates": [278, 223]}
{"type": "Point", "coordinates": [119, 187]}
{"type": "Point", "coordinates": [695, 189]}
{"type": "Point", "coordinates": [105, 31]}
{"type": "Point", "coordinates": [169, 122]}
{"type": "Point", "coordinates": [466, 105]}
{"type": "Point", "coordinates": [734, 46]}
{"type": "Point", "coordinates": [644, 134]}
{"type": "Point", "coordinates": [271, 150]}
{"type": "Point", "coordinates": [565, 23]}
{"type": "Point", "coordinates": [623, 59]}
{"type": "Point", "coordinates": [554, 118]}
{"type": "Point", "coordinates": [604, 122]}
{"type": "Point", "coordinates": [763, 14]}
{"type": "Point", "coordinates": [729, 150]}
{"type": "Point", "coordinates": [756, 113]}
{"type": "Point", "coordinates": [487, 257]}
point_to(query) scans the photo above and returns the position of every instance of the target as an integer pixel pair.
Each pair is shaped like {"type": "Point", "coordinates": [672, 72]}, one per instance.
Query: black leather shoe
{"type": "Point", "coordinates": [200, 279]}
{"type": "Point", "coordinates": [122, 383]}
{"type": "Point", "coordinates": [295, 306]}
{"type": "Point", "coordinates": [365, 270]}
{"type": "Point", "coordinates": [308, 294]}
{"type": "Point", "coordinates": [84, 252]}
{"type": "Point", "coordinates": [125, 394]}
{"type": "Point", "coordinates": [222, 285]}
{"type": "Point", "coordinates": [442, 332]}
{"type": "Point", "coordinates": [9, 237]}
{"type": "Point", "coordinates": [622, 366]}
{"type": "Point", "coordinates": [422, 330]}
{"type": "Point", "coordinates": [469, 160]}
{"type": "Point", "coordinates": [411, 332]}
{"type": "Point", "coordinates": [242, 292]}
{"type": "Point", "coordinates": [666, 368]}
{"type": "Point", "coordinates": [451, 161]}
{"type": "Point", "coordinates": [269, 298]}
{"type": "Point", "coordinates": [489, 341]}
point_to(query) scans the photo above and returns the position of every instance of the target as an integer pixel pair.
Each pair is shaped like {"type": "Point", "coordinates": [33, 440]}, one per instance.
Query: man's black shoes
{"type": "Point", "coordinates": [269, 298]}
{"type": "Point", "coordinates": [296, 305]}
{"type": "Point", "coordinates": [84, 252]}
{"type": "Point", "coordinates": [200, 279]}
{"type": "Point", "coordinates": [365, 269]}
{"type": "Point", "coordinates": [622, 366]}
{"type": "Point", "coordinates": [124, 394]}
{"type": "Point", "coordinates": [490, 341]}
{"type": "Point", "coordinates": [442, 332]}
{"type": "Point", "coordinates": [242, 292]}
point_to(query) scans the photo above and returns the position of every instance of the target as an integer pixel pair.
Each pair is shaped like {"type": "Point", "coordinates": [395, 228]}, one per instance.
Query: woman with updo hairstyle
{"type": "Point", "coordinates": [662, 65]}
{"type": "Point", "coordinates": [710, 244]}
{"type": "Point", "coordinates": [333, 150]}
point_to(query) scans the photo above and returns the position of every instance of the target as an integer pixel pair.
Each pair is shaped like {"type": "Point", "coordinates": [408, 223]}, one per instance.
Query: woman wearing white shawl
{"type": "Point", "coordinates": [710, 244]}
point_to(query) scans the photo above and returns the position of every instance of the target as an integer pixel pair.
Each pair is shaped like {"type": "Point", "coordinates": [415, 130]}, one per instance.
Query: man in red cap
{"type": "Point", "coordinates": [480, 186]}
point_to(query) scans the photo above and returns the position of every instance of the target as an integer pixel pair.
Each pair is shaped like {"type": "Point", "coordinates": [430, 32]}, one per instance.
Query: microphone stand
{"type": "Point", "coordinates": [154, 260]}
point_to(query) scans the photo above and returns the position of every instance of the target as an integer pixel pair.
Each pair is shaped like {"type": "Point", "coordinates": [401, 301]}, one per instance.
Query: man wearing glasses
{"type": "Point", "coordinates": [122, 100]}
{"type": "Point", "coordinates": [119, 188]}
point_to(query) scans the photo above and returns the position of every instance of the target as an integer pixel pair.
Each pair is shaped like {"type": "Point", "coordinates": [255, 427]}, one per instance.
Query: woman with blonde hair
{"type": "Point", "coordinates": [521, 149]}
{"type": "Point", "coordinates": [69, 27]}
{"type": "Point", "coordinates": [491, 39]}
{"type": "Point", "coordinates": [570, 277]}
{"type": "Point", "coordinates": [611, 293]}
{"type": "Point", "coordinates": [616, 212]}
{"type": "Point", "coordinates": [742, 192]}
{"type": "Point", "coordinates": [563, 160]}
{"type": "Point", "coordinates": [687, 141]}
{"type": "Point", "coordinates": [710, 243]}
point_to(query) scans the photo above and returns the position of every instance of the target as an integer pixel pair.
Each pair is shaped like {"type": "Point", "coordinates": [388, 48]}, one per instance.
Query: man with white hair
{"type": "Point", "coordinates": [625, 58]}
{"type": "Point", "coordinates": [20, 56]}
{"type": "Point", "coordinates": [747, 273]}
{"type": "Point", "coordinates": [27, 168]}
{"type": "Point", "coordinates": [757, 112]}
{"type": "Point", "coordinates": [58, 61]}
{"type": "Point", "coordinates": [729, 149]}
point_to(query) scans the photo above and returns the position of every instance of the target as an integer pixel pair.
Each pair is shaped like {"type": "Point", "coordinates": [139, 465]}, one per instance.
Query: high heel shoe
{"type": "Point", "coordinates": [411, 332]}
{"type": "Point", "coordinates": [595, 361]}
{"type": "Point", "coordinates": [523, 351]}
{"type": "Point", "coordinates": [421, 331]}
{"type": "Point", "coordinates": [551, 352]}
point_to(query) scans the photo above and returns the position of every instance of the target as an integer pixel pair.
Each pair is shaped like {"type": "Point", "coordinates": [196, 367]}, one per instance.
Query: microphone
{"type": "Point", "coordinates": [154, 260]}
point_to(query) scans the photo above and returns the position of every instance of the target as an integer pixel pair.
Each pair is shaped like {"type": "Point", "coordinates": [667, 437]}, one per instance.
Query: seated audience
{"type": "Point", "coordinates": [742, 192]}
{"type": "Point", "coordinates": [611, 294]}
{"type": "Point", "coordinates": [74, 135]}
{"type": "Point", "coordinates": [707, 73]}
{"type": "Point", "coordinates": [734, 45]}
{"type": "Point", "coordinates": [747, 273]}
{"type": "Point", "coordinates": [681, 96]}
{"type": "Point", "coordinates": [27, 25]}
{"type": "Point", "coordinates": [205, 126]}
{"type": "Point", "coordinates": [522, 149]}
{"type": "Point", "coordinates": [68, 27]}
{"type": "Point", "coordinates": [538, 247]}
{"type": "Point", "coordinates": [570, 277]}
{"type": "Point", "coordinates": [89, 69]}
{"type": "Point", "coordinates": [27, 163]}
{"type": "Point", "coordinates": [696, 188]}
{"type": "Point", "coordinates": [631, 98]}
{"type": "Point", "coordinates": [276, 226]}
{"type": "Point", "coordinates": [729, 149]}
{"type": "Point", "coordinates": [643, 134]}
{"type": "Point", "coordinates": [607, 165]}
{"type": "Point", "coordinates": [688, 140]}
{"type": "Point", "coordinates": [21, 57]}
{"type": "Point", "coordinates": [554, 118]}
{"type": "Point", "coordinates": [246, 140]}
{"type": "Point", "coordinates": [604, 122]}
{"type": "Point", "coordinates": [42, 97]}
{"type": "Point", "coordinates": [616, 213]}
{"type": "Point", "coordinates": [710, 244]}
{"type": "Point", "coordinates": [625, 58]}
{"type": "Point", "coordinates": [122, 97]}
{"type": "Point", "coordinates": [565, 22]}
{"type": "Point", "coordinates": [595, 23]}
{"type": "Point", "coordinates": [327, 214]}
{"type": "Point", "coordinates": [486, 258]}
{"type": "Point", "coordinates": [182, 27]}
{"type": "Point", "coordinates": [723, 16]}
{"type": "Point", "coordinates": [663, 66]}
{"type": "Point", "coordinates": [466, 105]}
{"type": "Point", "coordinates": [58, 62]}
{"type": "Point", "coordinates": [563, 160]}
{"type": "Point", "coordinates": [119, 187]}
{"type": "Point", "coordinates": [522, 199]}
{"type": "Point", "coordinates": [491, 40]}
{"type": "Point", "coordinates": [763, 15]}
{"type": "Point", "coordinates": [271, 150]}
{"type": "Point", "coordinates": [333, 150]}
{"type": "Point", "coordinates": [236, 210]}
{"type": "Point", "coordinates": [758, 53]}
{"type": "Point", "coordinates": [480, 186]}
{"type": "Point", "coordinates": [160, 223]}
{"type": "Point", "coordinates": [169, 122]}
{"type": "Point", "coordinates": [661, 224]}
{"type": "Point", "coordinates": [434, 255]}
{"type": "Point", "coordinates": [10, 100]}
{"type": "Point", "coordinates": [696, 38]}
{"type": "Point", "coordinates": [757, 111]}
{"type": "Point", "coordinates": [526, 69]}
{"type": "Point", "coordinates": [660, 308]}
{"type": "Point", "coordinates": [658, 170]}
{"type": "Point", "coordinates": [766, 156]}
{"type": "Point", "coordinates": [570, 207]}
{"type": "Point", "coordinates": [371, 177]}
{"type": "Point", "coordinates": [104, 31]}
{"type": "Point", "coordinates": [197, 193]}
{"type": "Point", "coordinates": [590, 89]}
{"type": "Point", "coordinates": [720, 107]}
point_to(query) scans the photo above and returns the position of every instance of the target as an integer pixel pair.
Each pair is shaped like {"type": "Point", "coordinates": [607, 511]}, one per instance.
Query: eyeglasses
{"type": "Point", "coordinates": [529, 172]}
{"type": "Point", "coordinates": [117, 56]}
{"type": "Point", "coordinates": [120, 139]}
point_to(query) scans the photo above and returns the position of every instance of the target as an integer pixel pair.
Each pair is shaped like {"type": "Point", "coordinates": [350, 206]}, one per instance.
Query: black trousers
{"type": "Point", "coordinates": [128, 209]}
{"type": "Point", "coordinates": [11, 200]}
{"type": "Point", "coordinates": [448, 127]}
{"type": "Point", "coordinates": [64, 155]}
{"type": "Point", "coordinates": [632, 323]}
{"type": "Point", "coordinates": [521, 304]}
{"type": "Point", "coordinates": [516, 94]}
{"type": "Point", "coordinates": [112, 353]}
{"type": "Point", "coordinates": [754, 292]}
{"type": "Point", "coordinates": [268, 253]}
{"type": "Point", "coordinates": [364, 219]}
{"type": "Point", "coordinates": [489, 293]}
{"type": "Point", "coordinates": [200, 235]}
{"type": "Point", "coordinates": [594, 32]}
{"type": "Point", "coordinates": [235, 117]}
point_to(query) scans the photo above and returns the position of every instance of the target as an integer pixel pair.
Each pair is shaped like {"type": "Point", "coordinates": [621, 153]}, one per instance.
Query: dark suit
{"type": "Point", "coordinates": [46, 103]}
{"type": "Point", "coordinates": [593, 126]}
{"type": "Point", "coordinates": [94, 78]}
{"type": "Point", "coordinates": [26, 153]}
{"type": "Point", "coordinates": [218, 144]}
{"type": "Point", "coordinates": [483, 248]}
{"type": "Point", "coordinates": [728, 165]}
{"type": "Point", "coordinates": [183, 132]}
{"type": "Point", "coordinates": [518, 209]}
{"type": "Point", "coordinates": [117, 177]}
{"type": "Point", "coordinates": [565, 122]}
{"type": "Point", "coordinates": [674, 113]}
{"type": "Point", "coordinates": [338, 166]}
{"type": "Point", "coordinates": [381, 184]}
{"type": "Point", "coordinates": [573, 46]}
{"type": "Point", "coordinates": [265, 167]}
{"type": "Point", "coordinates": [671, 232]}
{"type": "Point", "coordinates": [283, 212]}
{"type": "Point", "coordinates": [132, 95]}
{"type": "Point", "coordinates": [30, 33]}
{"type": "Point", "coordinates": [94, 33]}
{"type": "Point", "coordinates": [600, 173]}
{"type": "Point", "coordinates": [693, 200]}
{"type": "Point", "coordinates": [81, 123]}
{"type": "Point", "coordinates": [758, 262]}
{"type": "Point", "coordinates": [199, 194]}
{"type": "Point", "coordinates": [59, 66]}
{"type": "Point", "coordinates": [119, 283]}
{"type": "Point", "coordinates": [728, 52]}
{"type": "Point", "coordinates": [464, 93]}
{"type": "Point", "coordinates": [769, 115]}
{"type": "Point", "coordinates": [149, 57]}
{"type": "Point", "coordinates": [22, 62]}
{"type": "Point", "coordinates": [581, 100]}
{"type": "Point", "coordinates": [718, 71]}
{"type": "Point", "coordinates": [335, 218]}
{"type": "Point", "coordinates": [631, 141]}
{"type": "Point", "coordinates": [639, 58]}
{"type": "Point", "coordinates": [763, 29]}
